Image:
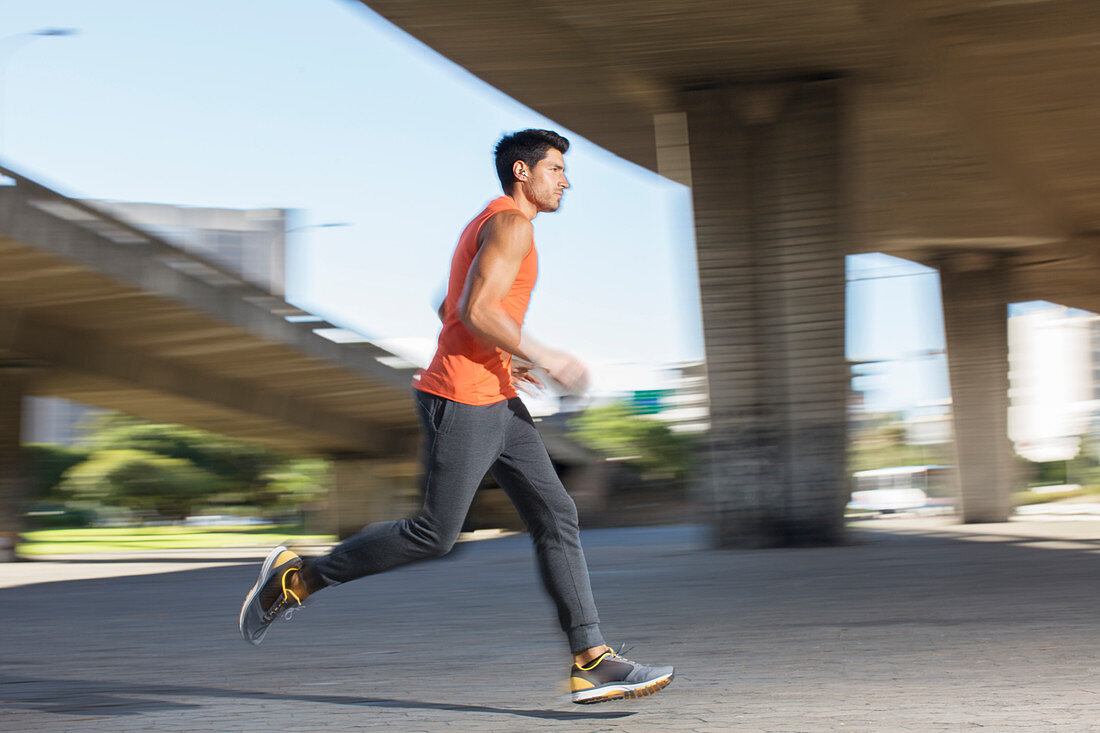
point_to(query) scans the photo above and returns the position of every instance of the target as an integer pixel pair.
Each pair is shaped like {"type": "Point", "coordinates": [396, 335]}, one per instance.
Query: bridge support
{"type": "Point", "coordinates": [12, 486]}
{"type": "Point", "coordinates": [365, 490]}
{"type": "Point", "coordinates": [975, 307]}
{"type": "Point", "coordinates": [770, 210]}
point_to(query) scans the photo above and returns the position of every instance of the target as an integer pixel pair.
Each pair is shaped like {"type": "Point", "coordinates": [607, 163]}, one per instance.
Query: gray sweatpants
{"type": "Point", "coordinates": [461, 444]}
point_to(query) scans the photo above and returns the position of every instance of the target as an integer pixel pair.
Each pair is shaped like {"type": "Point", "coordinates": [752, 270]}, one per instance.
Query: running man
{"type": "Point", "coordinates": [474, 423]}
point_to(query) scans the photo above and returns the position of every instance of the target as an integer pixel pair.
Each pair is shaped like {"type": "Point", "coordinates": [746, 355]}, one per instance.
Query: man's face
{"type": "Point", "coordinates": [545, 183]}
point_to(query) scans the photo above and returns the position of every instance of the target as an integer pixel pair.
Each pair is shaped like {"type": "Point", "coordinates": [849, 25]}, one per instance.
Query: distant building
{"type": "Point", "coordinates": [685, 406]}
{"type": "Point", "coordinates": [53, 420]}
{"type": "Point", "coordinates": [1052, 368]}
{"type": "Point", "coordinates": [250, 243]}
{"type": "Point", "coordinates": [677, 396]}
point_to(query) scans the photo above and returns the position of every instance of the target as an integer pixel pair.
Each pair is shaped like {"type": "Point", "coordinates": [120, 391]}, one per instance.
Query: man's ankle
{"type": "Point", "coordinates": [297, 585]}
{"type": "Point", "coordinates": [311, 581]}
{"type": "Point", "coordinates": [589, 655]}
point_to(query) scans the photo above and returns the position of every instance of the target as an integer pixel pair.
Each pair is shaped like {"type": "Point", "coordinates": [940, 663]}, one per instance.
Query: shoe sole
{"type": "Point", "coordinates": [265, 570]}
{"type": "Point", "coordinates": [622, 692]}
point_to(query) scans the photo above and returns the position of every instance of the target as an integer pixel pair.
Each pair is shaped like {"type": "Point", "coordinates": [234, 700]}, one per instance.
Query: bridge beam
{"type": "Point", "coordinates": [770, 213]}
{"type": "Point", "coordinates": [86, 352]}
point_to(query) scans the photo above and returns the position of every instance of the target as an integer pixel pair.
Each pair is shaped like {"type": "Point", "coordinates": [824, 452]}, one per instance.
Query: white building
{"type": "Point", "coordinates": [250, 243]}
{"type": "Point", "coordinates": [1050, 381]}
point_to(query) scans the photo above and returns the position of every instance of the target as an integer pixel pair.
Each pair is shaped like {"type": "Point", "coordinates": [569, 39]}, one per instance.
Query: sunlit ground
{"type": "Point", "coordinates": [48, 542]}
{"type": "Point", "coordinates": [121, 539]}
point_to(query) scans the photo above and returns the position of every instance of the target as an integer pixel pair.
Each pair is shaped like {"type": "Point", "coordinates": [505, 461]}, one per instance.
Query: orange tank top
{"type": "Point", "coordinates": [466, 368]}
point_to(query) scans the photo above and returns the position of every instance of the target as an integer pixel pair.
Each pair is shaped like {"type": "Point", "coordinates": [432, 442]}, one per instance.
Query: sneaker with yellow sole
{"type": "Point", "coordinates": [271, 596]}
{"type": "Point", "coordinates": [613, 677]}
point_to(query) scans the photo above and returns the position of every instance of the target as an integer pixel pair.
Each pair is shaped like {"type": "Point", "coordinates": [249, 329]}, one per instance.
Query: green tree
{"type": "Point", "coordinates": [241, 466]}
{"type": "Point", "coordinates": [296, 482]}
{"type": "Point", "coordinates": [46, 465]}
{"type": "Point", "coordinates": [881, 444]}
{"type": "Point", "coordinates": [142, 481]}
{"type": "Point", "coordinates": [616, 431]}
{"type": "Point", "coordinates": [233, 473]}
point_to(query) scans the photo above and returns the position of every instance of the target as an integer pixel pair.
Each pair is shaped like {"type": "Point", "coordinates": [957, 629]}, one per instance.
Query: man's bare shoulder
{"type": "Point", "coordinates": [509, 229]}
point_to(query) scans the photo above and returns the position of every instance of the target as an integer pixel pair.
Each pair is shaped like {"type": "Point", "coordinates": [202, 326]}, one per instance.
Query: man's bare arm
{"type": "Point", "coordinates": [505, 241]}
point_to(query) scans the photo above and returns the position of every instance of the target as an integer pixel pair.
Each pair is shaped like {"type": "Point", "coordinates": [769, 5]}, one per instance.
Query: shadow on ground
{"type": "Point", "coordinates": [101, 699]}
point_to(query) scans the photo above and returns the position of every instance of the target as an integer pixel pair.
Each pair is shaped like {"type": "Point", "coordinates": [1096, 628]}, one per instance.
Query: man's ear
{"type": "Point", "coordinates": [519, 170]}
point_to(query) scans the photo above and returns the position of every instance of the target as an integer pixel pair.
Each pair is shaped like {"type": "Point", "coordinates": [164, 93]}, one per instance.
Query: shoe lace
{"type": "Point", "coordinates": [610, 653]}
{"type": "Point", "coordinates": [282, 603]}
{"type": "Point", "coordinates": [621, 654]}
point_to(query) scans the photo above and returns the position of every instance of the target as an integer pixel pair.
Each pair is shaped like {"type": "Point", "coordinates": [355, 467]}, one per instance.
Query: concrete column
{"type": "Point", "coordinates": [975, 309]}
{"type": "Point", "coordinates": [770, 211]}
{"type": "Point", "coordinates": [12, 487]}
{"type": "Point", "coordinates": [367, 490]}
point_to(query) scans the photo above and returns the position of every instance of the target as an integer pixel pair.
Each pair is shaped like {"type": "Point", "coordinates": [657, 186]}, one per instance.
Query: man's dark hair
{"type": "Point", "coordinates": [530, 146]}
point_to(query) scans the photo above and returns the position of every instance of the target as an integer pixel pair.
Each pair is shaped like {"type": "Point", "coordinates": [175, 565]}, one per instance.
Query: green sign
{"type": "Point", "coordinates": [649, 401]}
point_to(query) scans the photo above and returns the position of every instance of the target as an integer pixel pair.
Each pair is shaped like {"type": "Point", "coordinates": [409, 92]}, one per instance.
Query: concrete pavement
{"type": "Point", "coordinates": [916, 625]}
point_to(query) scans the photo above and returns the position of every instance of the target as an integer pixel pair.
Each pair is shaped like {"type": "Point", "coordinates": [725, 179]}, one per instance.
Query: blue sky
{"type": "Point", "coordinates": [323, 107]}
{"type": "Point", "coordinates": [895, 323]}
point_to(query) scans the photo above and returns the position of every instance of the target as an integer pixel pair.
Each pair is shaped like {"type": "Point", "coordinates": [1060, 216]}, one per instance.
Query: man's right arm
{"type": "Point", "coordinates": [505, 241]}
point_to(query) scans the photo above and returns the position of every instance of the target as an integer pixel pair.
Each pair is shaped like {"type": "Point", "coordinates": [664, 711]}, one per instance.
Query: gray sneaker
{"type": "Point", "coordinates": [612, 677]}
{"type": "Point", "coordinates": [270, 597]}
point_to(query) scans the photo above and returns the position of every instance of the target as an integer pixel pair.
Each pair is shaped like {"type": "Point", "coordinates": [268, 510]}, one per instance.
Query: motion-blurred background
{"type": "Point", "coordinates": [827, 259]}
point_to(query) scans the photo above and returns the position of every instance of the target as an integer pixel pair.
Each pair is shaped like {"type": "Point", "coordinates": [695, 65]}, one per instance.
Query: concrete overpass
{"type": "Point", "coordinates": [958, 133]}
{"type": "Point", "coordinates": [96, 310]}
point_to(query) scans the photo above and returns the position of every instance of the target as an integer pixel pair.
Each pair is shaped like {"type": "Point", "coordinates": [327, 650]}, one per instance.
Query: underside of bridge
{"type": "Point", "coordinates": [957, 133]}
{"type": "Point", "coordinates": [99, 312]}
{"type": "Point", "coordinates": [95, 310]}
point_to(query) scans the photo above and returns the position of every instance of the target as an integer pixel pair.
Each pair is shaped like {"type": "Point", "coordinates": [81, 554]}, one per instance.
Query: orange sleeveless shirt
{"type": "Point", "coordinates": [467, 368]}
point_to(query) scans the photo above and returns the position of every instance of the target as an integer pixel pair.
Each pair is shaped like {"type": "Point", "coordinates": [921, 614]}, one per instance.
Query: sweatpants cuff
{"type": "Point", "coordinates": [584, 637]}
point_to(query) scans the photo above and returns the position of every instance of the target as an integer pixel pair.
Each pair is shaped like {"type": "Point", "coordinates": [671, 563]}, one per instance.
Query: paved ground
{"type": "Point", "coordinates": [915, 626]}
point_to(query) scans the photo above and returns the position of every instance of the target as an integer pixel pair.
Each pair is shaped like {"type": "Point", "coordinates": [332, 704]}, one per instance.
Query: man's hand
{"type": "Point", "coordinates": [524, 378]}
{"type": "Point", "coordinates": [564, 368]}
{"type": "Point", "coordinates": [567, 370]}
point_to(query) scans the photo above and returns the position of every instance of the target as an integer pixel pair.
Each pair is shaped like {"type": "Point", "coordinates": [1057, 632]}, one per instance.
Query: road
{"type": "Point", "coordinates": [916, 625]}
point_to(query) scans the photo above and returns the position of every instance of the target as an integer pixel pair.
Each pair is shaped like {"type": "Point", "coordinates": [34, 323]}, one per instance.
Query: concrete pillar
{"type": "Point", "coordinates": [12, 487]}
{"type": "Point", "coordinates": [975, 309]}
{"type": "Point", "coordinates": [368, 490]}
{"type": "Point", "coordinates": [770, 210]}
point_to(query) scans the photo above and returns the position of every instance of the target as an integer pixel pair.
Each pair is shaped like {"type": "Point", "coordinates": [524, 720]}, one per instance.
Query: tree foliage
{"type": "Point", "coordinates": [881, 443]}
{"type": "Point", "coordinates": [296, 482]}
{"type": "Point", "coordinates": [617, 432]}
{"type": "Point", "coordinates": [240, 466]}
{"type": "Point", "coordinates": [45, 466]}
{"type": "Point", "coordinates": [172, 471]}
{"type": "Point", "coordinates": [141, 480]}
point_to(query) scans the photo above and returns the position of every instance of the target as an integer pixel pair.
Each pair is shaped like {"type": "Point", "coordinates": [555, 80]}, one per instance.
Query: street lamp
{"type": "Point", "coordinates": [54, 32]}
{"type": "Point", "coordinates": [16, 42]}
{"type": "Point", "coordinates": [327, 225]}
